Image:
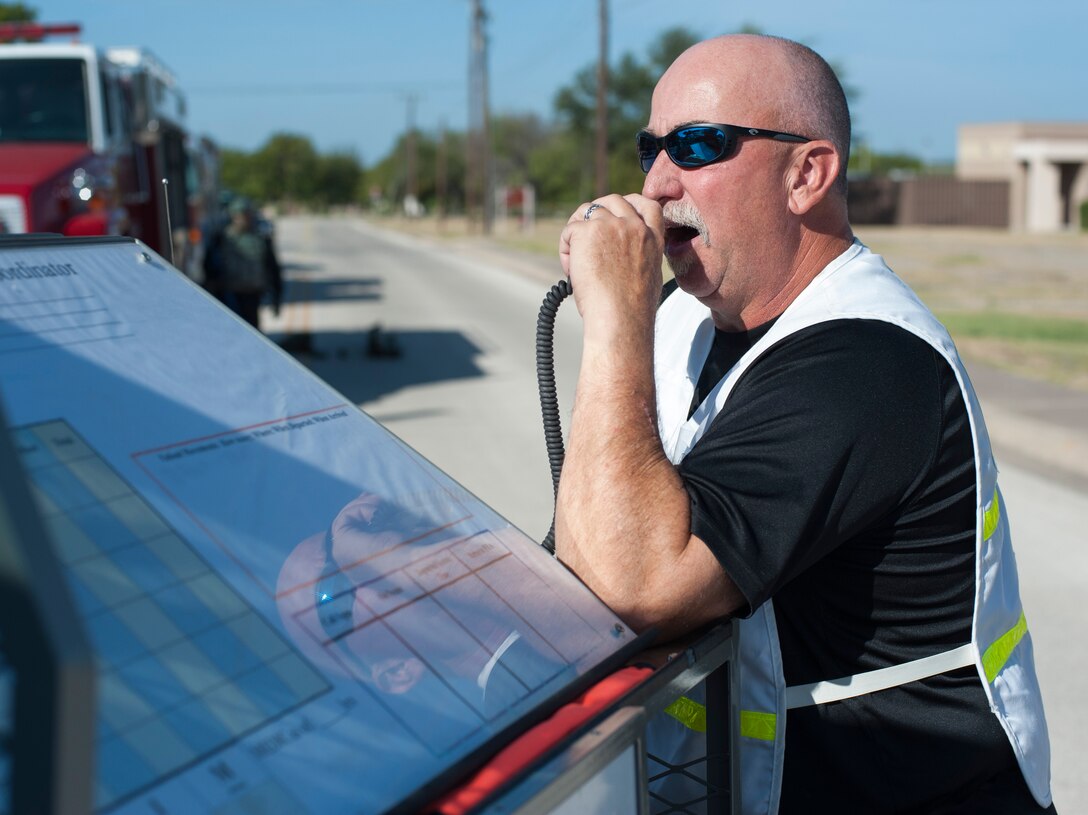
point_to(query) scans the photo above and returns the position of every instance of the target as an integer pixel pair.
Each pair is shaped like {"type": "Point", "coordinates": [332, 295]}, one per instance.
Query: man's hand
{"type": "Point", "coordinates": [613, 260]}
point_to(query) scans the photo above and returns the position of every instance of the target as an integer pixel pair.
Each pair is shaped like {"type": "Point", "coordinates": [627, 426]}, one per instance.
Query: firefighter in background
{"type": "Point", "coordinates": [240, 265]}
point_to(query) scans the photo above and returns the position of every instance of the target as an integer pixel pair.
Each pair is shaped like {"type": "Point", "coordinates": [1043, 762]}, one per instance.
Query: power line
{"type": "Point", "coordinates": [321, 88]}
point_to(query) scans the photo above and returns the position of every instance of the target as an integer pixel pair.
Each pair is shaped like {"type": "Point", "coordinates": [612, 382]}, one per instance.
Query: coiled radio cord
{"type": "Point", "coordinates": [549, 401]}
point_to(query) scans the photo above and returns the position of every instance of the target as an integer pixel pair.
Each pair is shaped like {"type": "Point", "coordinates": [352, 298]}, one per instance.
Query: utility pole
{"type": "Point", "coordinates": [441, 173]}
{"type": "Point", "coordinates": [478, 188]}
{"type": "Point", "coordinates": [601, 152]}
{"type": "Point", "coordinates": [411, 180]}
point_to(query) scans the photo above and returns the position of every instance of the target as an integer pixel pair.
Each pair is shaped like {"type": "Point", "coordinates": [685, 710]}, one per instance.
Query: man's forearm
{"type": "Point", "coordinates": [623, 518]}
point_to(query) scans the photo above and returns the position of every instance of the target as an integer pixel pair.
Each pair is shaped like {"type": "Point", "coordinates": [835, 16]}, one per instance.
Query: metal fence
{"type": "Point", "coordinates": [930, 201]}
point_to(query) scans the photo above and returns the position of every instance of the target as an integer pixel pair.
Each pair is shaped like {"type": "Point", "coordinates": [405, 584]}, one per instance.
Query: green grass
{"type": "Point", "coordinates": [1051, 349]}
{"type": "Point", "coordinates": [1017, 327]}
{"type": "Point", "coordinates": [966, 259]}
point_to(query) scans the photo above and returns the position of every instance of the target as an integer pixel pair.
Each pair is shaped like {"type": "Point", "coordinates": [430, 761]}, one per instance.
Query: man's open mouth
{"type": "Point", "coordinates": [677, 237]}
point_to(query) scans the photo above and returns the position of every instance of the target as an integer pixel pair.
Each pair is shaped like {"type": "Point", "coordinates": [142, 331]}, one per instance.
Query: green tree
{"type": "Point", "coordinates": [340, 177]}
{"type": "Point", "coordinates": [562, 172]}
{"type": "Point", "coordinates": [390, 175]}
{"type": "Point", "coordinates": [631, 84]}
{"type": "Point", "coordinates": [288, 170]}
{"type": "Point", "coordinates": [236, 173]}
{"type": "Point", "coordinates": [864, 161]}
{"type": "Point", "coordinates": [517, 139]}
{"type": "Point", "coordinates": [286, 167]}
{"type": "Point", "coordinates": [672, 43]}
{"type": "Point", "coordinates": [17, 13]}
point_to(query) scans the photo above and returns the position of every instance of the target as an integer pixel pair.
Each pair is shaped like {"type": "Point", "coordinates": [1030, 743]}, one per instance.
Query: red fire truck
{"type": "Point", "coordinates": [87, 138]}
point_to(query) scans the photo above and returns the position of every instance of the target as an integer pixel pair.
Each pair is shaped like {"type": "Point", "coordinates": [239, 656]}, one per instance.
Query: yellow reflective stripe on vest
{"type": "Point", "coordinates": [689, 713]}
{"type": "Point", "coordinates": [753, 723]}
{"type": "Point", "coordinates": [757, 725]}
{"type": "Point", "coordinates": [991, 516]}
{"type": "Point", "coordinates": [998, 654]}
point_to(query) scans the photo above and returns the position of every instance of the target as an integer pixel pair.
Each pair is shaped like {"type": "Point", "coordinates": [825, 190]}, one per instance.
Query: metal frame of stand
{"type": "Point", "coordinates": [584, 756]}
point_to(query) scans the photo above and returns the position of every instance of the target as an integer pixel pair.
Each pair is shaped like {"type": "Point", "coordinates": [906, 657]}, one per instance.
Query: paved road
{"type": "Point", "coordinates": [456, 323]}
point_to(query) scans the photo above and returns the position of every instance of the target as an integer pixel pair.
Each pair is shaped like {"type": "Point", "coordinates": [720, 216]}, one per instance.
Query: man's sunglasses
{"type": "Point", "coordinates": [701, 144]}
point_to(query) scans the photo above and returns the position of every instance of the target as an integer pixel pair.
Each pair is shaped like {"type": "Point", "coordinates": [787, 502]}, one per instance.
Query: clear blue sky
{"type": "Point", "coordinates": [341, 71]}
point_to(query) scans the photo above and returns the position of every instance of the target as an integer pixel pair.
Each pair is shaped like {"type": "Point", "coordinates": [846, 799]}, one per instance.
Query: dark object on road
{"type": "Point", "coordinates": [382, 345]}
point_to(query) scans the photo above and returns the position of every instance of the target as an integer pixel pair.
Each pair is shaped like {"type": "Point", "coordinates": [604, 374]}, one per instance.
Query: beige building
{"type": "Point", "coordinates": [1045, 164]}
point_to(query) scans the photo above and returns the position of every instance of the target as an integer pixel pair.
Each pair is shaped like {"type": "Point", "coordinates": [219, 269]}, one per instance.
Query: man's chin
{"type": "Point", "coordinates": [681, 263]}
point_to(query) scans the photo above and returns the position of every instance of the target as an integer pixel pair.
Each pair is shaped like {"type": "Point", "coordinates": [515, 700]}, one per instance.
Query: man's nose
{"type": "Point", "coordinates": [663, 181]}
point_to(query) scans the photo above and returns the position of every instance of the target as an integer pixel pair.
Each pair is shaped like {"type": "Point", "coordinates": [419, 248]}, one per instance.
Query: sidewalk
{"type": "Point", "coordinates": [1033, 424]}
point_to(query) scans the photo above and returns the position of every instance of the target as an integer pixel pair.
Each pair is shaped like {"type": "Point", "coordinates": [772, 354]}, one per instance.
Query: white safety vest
{"type": "Point", "coordinates": [858, 285]}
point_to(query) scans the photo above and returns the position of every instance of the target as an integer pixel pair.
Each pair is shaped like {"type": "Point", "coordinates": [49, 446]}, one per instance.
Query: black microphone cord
{"type": "Point", "coordinates": [549, 402]}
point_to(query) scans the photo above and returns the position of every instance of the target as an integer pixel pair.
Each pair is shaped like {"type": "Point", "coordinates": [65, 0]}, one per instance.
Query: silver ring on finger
{"type": "Point", "coordinates": [590, 210]}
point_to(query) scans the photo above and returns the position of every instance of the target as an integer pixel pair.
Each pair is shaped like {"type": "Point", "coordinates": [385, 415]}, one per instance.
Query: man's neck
{"type": "Point", "coordinates": [814, 252]}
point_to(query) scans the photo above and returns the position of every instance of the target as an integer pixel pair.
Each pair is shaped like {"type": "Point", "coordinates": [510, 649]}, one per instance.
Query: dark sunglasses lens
{"type": "Point", "coordinates": [647, 150]}
{"type": "Point", "coordinates": [696, 146]}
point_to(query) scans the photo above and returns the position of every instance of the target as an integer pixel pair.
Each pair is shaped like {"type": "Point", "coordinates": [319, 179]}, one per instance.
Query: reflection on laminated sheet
{"type": "Point", "coordinates": [388, 593]}
{"type": "Point", "coordinates": [437, 644]}
{"type": "Point", "coordinates": [530, 659]}
{"type": "Point", "coordinates": [200, 475]}
{"type": "Point", "coordinates": [551, 618]}
{"type": "Point", "coordinates": [335, 617]}
{"type": "Point", "coordinates": [478, 551]}
{"type": "Point", "coordinates": [410, 690]}
{"type": "Point", "coordinates": [437, 570]}
{"type": "Point", "coordinates": [451, 650]}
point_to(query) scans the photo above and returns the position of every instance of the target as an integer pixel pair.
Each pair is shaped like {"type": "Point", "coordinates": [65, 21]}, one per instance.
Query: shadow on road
{"type": "Point", "coordinates": [302, 290]}
{"type": "Point", "coordinates": [366, 365]}
{"type": "Point", "coordinates": [290, 268]}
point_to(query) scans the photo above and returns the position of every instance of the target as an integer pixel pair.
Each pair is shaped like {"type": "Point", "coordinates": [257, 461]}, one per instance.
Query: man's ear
{"type": "Point", "coordinates": [814, 172]}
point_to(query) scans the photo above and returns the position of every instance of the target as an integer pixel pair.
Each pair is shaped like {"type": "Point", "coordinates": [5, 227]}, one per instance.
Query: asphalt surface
{"type": "Point", "coordinates": [459, 386]}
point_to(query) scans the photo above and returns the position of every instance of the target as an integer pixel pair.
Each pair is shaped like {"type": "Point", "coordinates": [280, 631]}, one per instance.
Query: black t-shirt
{"type": "Point", "coordinates": [839, 480]}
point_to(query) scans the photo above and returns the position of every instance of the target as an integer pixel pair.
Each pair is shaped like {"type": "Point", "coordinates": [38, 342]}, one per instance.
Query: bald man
{"type": "Point", "coordinates": [790, 438]}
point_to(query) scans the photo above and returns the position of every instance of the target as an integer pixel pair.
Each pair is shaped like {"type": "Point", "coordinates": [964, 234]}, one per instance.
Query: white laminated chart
{"type": "Point", "coordinates": [32, 324]}
{"type": "Point", "coordinates": [291, 611]}
{"type": "Point", "coordinates": [446, 603]}
{"type": "Point", "coordinates": [185, 665]}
